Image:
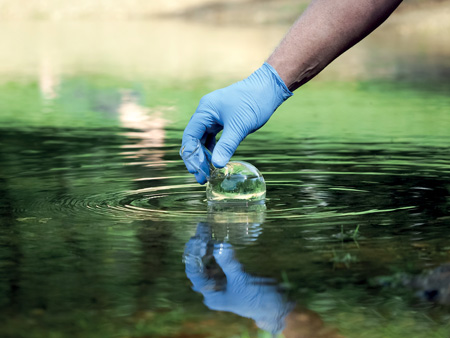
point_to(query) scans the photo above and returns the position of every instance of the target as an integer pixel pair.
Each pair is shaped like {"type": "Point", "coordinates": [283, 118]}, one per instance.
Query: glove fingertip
{"type": "Point", "coordinates": [200, 178]}
{"type": "Point", "coordinates": [219, 161]}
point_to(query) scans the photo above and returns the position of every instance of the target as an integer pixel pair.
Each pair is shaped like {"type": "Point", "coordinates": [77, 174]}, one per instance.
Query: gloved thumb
{"type": "Point", "coordinates": [225, 147]}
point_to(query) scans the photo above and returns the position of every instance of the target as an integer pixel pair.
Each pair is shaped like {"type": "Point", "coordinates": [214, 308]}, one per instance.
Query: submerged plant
{"type": "Point", "coordinates": [344, 258]}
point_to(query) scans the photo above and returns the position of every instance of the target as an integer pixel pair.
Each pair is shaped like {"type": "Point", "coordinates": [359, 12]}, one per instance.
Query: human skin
{"type": "Point", "coordinates": [323, 32]}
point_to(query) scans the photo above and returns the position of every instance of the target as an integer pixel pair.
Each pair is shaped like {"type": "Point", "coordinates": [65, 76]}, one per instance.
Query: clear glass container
{"type": "Point", "coordinates": [237, 182]}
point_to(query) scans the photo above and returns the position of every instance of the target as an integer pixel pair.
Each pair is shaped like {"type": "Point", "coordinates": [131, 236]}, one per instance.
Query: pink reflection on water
{"type": "Point", "coordinates": [49, 79]}
{"type": "Point", "coordinates": [148, 135]}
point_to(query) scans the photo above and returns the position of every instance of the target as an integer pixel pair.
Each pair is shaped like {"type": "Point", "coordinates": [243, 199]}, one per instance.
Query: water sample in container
{"type": "Point", "coordinates": [238, 182]}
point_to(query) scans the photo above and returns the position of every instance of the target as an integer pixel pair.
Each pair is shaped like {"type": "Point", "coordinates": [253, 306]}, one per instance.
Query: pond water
{"type": "Point", "coordinates": [103, 233]}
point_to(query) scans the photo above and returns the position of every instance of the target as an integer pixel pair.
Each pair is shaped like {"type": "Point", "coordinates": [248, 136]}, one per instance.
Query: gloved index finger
{"type": "Point", "coordinates": [196, 127]}
{"type": "Point", "coordinates": [224, 256]}
{"type": "Point", "coordinates": [226, 146]}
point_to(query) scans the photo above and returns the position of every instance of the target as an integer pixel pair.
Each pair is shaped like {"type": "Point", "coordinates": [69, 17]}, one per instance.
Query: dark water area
{"type": "Point", "coordinates": [103, 233]}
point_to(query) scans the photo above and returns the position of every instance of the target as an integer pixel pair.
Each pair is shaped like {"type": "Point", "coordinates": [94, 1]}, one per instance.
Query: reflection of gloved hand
{"type": "Point", "coordinates": [248, 296]}
{"type": "Point", "coordinates": [239, 110]}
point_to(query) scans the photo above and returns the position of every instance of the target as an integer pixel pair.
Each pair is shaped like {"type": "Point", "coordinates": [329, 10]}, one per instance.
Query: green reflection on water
{"type": "Point", "coordinates": [96, 207]}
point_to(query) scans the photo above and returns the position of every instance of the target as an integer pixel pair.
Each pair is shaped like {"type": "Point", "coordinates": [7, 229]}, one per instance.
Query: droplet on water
{"type": "Point", "coordinates": [237, 182]}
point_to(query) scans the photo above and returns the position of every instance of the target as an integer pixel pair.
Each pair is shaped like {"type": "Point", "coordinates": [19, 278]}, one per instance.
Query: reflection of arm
{"type": "Point", "coordinates": [323, 32]}
{"type": "Point", "coordinates": [239, 292]}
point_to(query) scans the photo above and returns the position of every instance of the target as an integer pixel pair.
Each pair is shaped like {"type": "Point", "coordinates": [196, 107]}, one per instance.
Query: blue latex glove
{"type": "Point", "coordinates": [241, 293]}
{"type": "Point", "coordinates": [239, 110]}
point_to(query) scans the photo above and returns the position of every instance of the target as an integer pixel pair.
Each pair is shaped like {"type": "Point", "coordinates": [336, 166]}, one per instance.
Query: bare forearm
{"type": "Point", "coordinates": [324, 31]}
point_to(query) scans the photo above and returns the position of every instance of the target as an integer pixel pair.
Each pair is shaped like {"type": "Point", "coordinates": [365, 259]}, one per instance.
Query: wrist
{"type": "Point", "coordinates": [266, 91]}
{"type": "Point", "coordinates": [283, 70]}
{"type": "Point", "coordinates": [285, 93]}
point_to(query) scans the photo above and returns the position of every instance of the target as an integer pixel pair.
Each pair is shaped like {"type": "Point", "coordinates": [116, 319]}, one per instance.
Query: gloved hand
{"type": "Point", "coordinates": [241, 293]}
{"type": "Point", "coordinates": [239, 110]}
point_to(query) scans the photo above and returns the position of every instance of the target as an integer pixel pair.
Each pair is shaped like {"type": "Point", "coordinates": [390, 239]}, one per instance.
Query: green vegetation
{"type": "Point", "coordinates": [236, 181]}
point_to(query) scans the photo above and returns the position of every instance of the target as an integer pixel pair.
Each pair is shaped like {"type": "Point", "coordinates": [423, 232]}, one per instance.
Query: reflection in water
{"type": "Point", "coordinates": [433, 286]}
{"type": "Point", "coordinates": [215, 272]}
{"type": "Point", "coordinates": [48, 78]}
{"type": "Point", "coordinates": [148, 130]}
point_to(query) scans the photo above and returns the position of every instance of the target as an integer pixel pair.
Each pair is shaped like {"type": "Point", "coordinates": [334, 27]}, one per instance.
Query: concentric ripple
{"type": "Point", "coordinates": [288, 199]}
{"type": "Point", "coordinates": [325, 180]}
{"type": "Point", "coordinates": [154, 202]}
